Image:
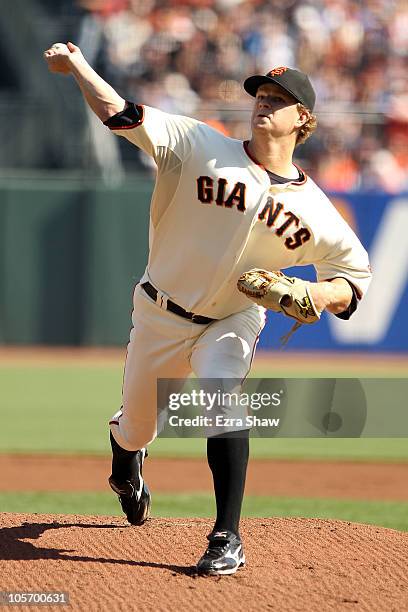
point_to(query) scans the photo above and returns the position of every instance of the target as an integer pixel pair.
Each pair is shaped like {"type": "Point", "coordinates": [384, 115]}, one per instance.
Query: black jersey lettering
{"type": "Point", "coordinates": [237, 196]}
{"type": "Point", "coordinates": [271, 210]}
{"type": "Point", "coordinates": [291, 218]}
{"type": "Point", "coordinates": [205, 190]}
{"type": "Point", "coordinates": [301, 236]}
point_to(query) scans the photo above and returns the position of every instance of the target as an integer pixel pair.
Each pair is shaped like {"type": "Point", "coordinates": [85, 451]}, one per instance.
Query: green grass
{"type": "Point", "coordinates": [58, 409]}
{"type": "Point", "coordinates": [344, 449]}
{"type": "Point", "coordinates": [65, 409]}
{"type": "Point", "coordinates": [387, 514]}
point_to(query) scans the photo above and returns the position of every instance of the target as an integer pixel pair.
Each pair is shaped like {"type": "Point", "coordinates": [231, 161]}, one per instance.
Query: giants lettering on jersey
{"type": "Point", "coordinates": [273, 213]}
{"type": "Point", "coordinates": [270, 213]}
{"type": "Point", "coordinates": [205, 193]}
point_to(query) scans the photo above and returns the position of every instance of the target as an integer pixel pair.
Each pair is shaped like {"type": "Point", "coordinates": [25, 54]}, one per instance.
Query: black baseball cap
{"type": "Point", "coordinates": [293, 81]}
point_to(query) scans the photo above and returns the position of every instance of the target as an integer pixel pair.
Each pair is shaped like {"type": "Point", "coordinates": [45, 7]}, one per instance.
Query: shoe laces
{"type": "Point", "coordinates": [216, 547]}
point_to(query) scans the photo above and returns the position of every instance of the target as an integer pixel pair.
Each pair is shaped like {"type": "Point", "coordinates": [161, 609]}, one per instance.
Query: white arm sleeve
{"type": "Point", "coordinates": [346, 258]}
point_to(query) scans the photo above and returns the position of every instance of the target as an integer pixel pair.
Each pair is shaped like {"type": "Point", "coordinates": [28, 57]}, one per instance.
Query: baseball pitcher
{"type": "Point", "coordinates": [226, 216]}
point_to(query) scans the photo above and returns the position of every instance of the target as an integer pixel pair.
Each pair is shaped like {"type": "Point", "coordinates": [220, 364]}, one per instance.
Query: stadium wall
{"type": "Point", "coordinates": [72, 250]}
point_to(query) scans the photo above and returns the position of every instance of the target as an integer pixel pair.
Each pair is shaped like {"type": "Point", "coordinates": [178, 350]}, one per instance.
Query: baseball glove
{"type": "Point", "coordinates": [281, 293]}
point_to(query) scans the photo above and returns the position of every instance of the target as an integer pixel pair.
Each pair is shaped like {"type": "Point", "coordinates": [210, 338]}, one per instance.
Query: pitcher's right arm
{"type": "Point", "coordinates": [100, 96]}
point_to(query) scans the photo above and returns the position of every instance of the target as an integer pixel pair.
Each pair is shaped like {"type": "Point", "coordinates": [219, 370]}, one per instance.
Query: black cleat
{"type": "Point", "coordinates": [223, 556]}
{"type": "Point", "coordinates": [134, 494]}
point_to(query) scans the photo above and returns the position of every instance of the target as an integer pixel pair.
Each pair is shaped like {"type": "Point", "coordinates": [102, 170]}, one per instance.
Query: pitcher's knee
{"type": "Point", "coordinates": [133, 438]}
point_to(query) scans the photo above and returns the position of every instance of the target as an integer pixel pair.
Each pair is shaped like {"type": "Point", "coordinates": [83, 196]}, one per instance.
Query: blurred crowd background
{"type": "Point", "coordinates": [191, 57]}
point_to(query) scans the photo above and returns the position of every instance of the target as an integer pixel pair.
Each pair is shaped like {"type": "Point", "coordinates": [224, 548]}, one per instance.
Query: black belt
{"type": "Point", "coordinates": [175, 308]}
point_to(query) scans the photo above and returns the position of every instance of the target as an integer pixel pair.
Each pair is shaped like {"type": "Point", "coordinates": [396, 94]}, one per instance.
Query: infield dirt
{"type": "Point", "coordinates": [293, 564]}
{"type": "Point", "coordinates": [327, 479]}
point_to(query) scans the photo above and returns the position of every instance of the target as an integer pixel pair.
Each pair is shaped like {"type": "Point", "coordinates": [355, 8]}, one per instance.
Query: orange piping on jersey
{"type": "Point", "coordinates": [252, 158]}
{"type": "Point", "coordinates": [133, 125]}
{"type": "Point", "coordinates": [302, 172]}
{"type": "Point", "coordinates": [245, 143]}
{"type": "Point", "coordinates": [252, 355]}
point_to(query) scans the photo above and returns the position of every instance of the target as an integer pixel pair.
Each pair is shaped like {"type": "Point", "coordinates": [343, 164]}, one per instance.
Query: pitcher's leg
{"type": "Point", "coordinates": [228, 458]}
{"type": "Point", "coordinates": [124, 463]}
{"type": "Point", "coordinates": [225, 351]}
{"type": "Point", "coordinates": [152, 354]}
{"type": "Point", "coordinates": [127, 482]}
{"type": "Point", "coordinates": [227, 347]}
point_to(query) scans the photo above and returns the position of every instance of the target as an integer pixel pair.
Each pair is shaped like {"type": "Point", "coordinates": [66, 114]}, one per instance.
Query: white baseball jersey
{"type": "Point", "coordinates": [215, 214]}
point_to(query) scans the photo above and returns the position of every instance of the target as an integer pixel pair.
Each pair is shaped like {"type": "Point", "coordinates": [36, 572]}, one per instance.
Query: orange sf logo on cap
{"type": "Point", "coordinates": [277, 71]}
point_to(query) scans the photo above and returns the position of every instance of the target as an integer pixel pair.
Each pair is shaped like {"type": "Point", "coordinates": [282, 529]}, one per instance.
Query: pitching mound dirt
{"type": "Point", "coordinates": [293, 564]}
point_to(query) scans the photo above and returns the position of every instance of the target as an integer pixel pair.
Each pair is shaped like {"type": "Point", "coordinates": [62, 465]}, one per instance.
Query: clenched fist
{"type": "Point", "coordinates": [59, 57]}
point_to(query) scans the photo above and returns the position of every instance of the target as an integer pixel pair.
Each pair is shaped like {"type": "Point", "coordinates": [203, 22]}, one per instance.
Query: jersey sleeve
{"type": "Point", "coordinates": [345, 258]}
{"type": "Point", "coordinates": [153, 130]}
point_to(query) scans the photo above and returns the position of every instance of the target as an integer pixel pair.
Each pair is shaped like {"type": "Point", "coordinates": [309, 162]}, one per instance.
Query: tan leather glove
{"type": "Point", "coordinates": [280, 293]}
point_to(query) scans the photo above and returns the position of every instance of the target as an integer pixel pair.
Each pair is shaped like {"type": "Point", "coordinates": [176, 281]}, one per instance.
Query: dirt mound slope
{"type": "Point", "coordinates": [293, 564]}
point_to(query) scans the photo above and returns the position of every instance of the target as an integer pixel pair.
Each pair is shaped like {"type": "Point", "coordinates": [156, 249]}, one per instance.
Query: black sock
{"type": "Point", "coordinates": [228, 459]}
{"type": "Point", "coordinates": [124, 465]}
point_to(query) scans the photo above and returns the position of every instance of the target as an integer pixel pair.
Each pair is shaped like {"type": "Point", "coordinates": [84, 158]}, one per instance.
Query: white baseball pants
{"type": "Point", "coordinates": [165, 345]}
